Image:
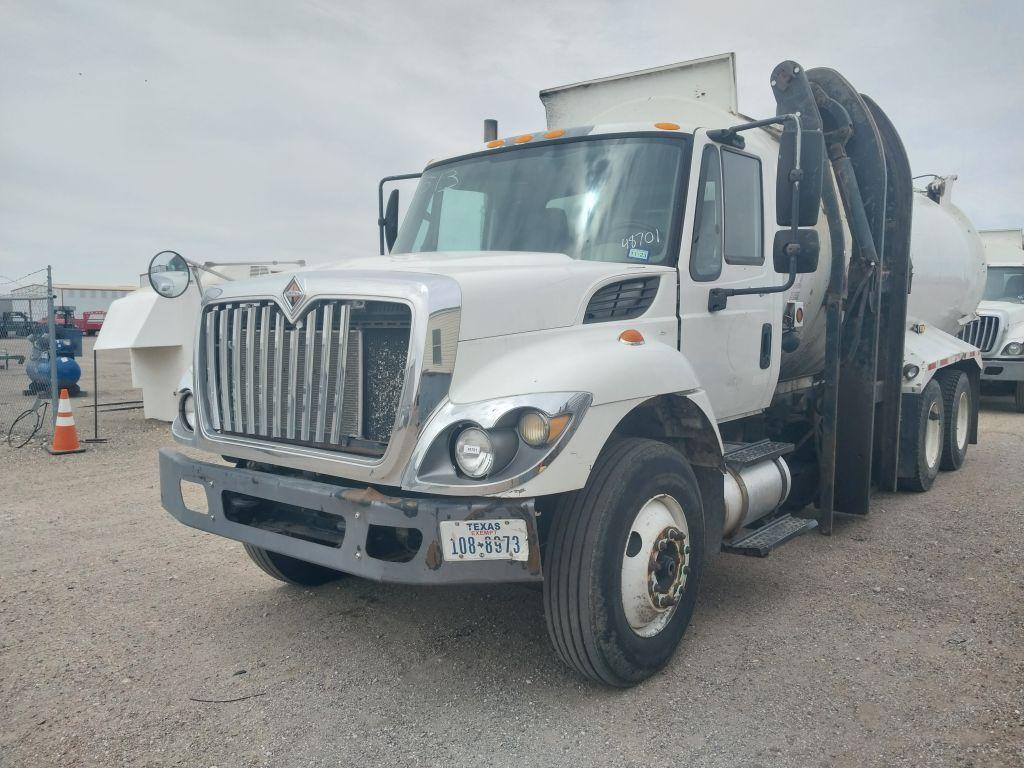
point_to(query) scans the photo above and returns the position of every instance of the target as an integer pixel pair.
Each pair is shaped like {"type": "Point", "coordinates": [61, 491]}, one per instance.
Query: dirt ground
{"type": "Point", "coordinates": [899, 641]}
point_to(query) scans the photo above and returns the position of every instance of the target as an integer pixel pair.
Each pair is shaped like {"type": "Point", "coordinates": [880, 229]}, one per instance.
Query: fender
{"type": "Point", "coordinates": [621, 379]}
{"type": "Point", "coordinates": [931, 350]}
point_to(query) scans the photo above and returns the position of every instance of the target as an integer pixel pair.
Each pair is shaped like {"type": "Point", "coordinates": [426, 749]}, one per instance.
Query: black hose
{"type": "Point", "coordinates": [40, 412]}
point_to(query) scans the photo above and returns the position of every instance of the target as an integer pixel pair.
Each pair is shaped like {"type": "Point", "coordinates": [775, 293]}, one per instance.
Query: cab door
{"type": "Point", "coordinates": [734, 351]}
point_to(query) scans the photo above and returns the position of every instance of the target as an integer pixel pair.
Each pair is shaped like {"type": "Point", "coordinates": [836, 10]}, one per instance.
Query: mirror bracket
{"type": "Point", "coordinates": [193, 267]}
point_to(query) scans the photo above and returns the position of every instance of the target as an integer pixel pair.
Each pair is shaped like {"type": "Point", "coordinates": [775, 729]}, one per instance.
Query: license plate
{"type": "Point", "coordinates": [468, 540]}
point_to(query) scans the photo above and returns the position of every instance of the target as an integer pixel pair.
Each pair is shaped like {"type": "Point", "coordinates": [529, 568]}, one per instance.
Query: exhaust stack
{"type": "Point", "coordinates": [490, 129]}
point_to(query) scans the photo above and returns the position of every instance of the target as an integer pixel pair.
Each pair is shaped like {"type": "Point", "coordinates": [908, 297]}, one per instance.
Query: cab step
{"type": "Point", "coordinates": [759, 542]}
{"type": "Point", "coordinates": [739, 455]}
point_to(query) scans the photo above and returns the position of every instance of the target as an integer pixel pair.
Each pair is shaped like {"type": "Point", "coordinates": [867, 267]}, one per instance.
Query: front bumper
{"type": "Point", "coordinates": [358, 509]}
{"type": "Point", "coordinates": [1002, 369]}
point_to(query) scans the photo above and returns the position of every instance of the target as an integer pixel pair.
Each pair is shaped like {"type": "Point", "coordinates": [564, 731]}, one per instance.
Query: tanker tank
{"type": "Point", "coordinates": [949, 273]}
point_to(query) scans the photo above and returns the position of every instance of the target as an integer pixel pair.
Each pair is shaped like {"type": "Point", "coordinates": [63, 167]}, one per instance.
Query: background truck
{"type": "Point", "coordinates": [14, 323]}
{"type": "Point", "coordinates": [999, 329]}
{"type": "Point", "coordinates": [91, 321]}
{"type": "Point", "coordinates": [596, 355]}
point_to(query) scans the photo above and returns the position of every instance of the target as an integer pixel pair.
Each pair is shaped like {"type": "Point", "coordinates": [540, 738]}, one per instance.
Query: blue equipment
{"type": "Point", "coordinates": [69, 346]}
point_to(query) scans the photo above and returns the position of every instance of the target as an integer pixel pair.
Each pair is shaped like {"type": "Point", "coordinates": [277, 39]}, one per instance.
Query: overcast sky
{"type": "Point", "coordinates": [258, 130]}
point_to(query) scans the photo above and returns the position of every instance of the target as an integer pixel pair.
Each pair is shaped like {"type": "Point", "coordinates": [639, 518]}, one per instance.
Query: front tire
{"type": "Point", "coordinates": [921, 428]}
{"type": "Point", "coordinates": [956, 402]}
{"type": "Point", "coordinates": [289, 569]}
{"type": "Point", "coordinates": [1018, 397]}
{"type": "Point", "coordinates": [623, 563]}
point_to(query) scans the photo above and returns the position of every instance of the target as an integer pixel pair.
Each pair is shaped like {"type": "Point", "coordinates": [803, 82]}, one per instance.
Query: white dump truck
{"type": "Point", "coordinates": [999, 329]}
{"type": "Point", "coordinates": [594, 356]}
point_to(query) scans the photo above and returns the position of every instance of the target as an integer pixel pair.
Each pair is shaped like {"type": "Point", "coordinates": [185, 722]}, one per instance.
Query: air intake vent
{"type": "Point", "coordinates": [622, 301]}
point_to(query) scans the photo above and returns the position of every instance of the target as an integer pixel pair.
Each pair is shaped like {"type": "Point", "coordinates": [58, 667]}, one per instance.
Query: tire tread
{"type": "Point", "coordinates": [949, 381]}
{"type": "Point", "coordinates": [571, 541]}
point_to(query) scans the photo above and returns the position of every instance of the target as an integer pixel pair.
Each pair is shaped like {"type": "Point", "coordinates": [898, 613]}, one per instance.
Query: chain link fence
{"type": "Point", "coordinates": [30, 360]}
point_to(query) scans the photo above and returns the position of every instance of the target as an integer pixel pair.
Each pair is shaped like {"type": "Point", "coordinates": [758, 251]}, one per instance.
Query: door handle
{"type": "Point", "coordinates": [766, 345]}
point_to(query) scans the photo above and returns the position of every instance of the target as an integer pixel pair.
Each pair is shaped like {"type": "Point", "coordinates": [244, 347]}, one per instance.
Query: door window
{"type": "Point", "coordinates": [706, 249]}
{"type": "Point", "coordinates": [741, 175]}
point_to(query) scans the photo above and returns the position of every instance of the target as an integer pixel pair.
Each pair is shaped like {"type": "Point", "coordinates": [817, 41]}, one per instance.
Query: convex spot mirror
{"type": "Point", "coordinates": [806, 249]}
{"type": "Point", "coordinates": [169, 274]}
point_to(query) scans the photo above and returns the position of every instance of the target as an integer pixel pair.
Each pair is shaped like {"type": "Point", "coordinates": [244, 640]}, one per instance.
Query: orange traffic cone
{"type": "Point", "coordinates": [65, 437]}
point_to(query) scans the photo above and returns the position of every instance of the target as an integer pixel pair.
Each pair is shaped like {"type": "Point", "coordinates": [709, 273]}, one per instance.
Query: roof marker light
{"type": "Point", "coordinates": [555, 134]}
{"type": "Point", "coordinates": [667, 126]}
{"type": "Point", "coordinates": [495, 143]}
{"type": "Point", "coordinates": [523, 139]}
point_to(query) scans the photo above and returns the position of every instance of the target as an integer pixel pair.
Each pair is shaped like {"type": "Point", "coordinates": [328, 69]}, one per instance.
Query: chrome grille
{"type": "Point", "coordinates": [982, 333]}
{"type": "Point", "coordinates": [301, 382]}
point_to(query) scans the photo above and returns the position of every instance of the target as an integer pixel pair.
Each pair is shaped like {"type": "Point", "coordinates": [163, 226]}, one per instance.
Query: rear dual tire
{"type": "Point", "coordinates": [641, 509]}
{"type": "Point", "coordinates": [935, 429]}
{"type": "Point", "coordinates": [957, 405]}
{"type": "Point", "coordinates": [921, 437]}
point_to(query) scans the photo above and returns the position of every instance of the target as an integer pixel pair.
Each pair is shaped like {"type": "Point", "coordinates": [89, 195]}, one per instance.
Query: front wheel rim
{"type": "Point", "coordinates": [655, 565]}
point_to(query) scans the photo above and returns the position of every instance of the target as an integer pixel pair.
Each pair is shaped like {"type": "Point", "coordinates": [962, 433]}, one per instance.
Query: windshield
{"type": "Point", "coordinates": [595, 199]}
{"type": "Point", "coordinates": [1005, 284]}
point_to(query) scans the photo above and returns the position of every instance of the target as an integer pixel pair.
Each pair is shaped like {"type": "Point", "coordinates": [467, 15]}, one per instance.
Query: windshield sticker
{"type": "Point", "coordinates": [639, 253]}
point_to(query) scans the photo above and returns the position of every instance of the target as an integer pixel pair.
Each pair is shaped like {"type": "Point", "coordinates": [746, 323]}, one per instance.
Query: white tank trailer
{"type": "Point", "coordinates": [949, 269]}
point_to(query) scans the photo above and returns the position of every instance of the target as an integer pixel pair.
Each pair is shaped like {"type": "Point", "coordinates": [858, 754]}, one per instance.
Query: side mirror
{"type": "Point", "coordinates": [391, 219]}
{"type": "Point", "coordinates": [169, 274]}
{"type": "Point", "coordinates": [803, 244]}
{"type": "Point", "coordinates": [812, 168]}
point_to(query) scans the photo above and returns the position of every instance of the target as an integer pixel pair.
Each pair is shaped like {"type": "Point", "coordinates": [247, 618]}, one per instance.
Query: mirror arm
{"type": "Point", "coordinates": [718, 298]}
{"type": "Point", "coordinates": [197, 266]}
{"type": "Point", "coordinates": [380, 202]}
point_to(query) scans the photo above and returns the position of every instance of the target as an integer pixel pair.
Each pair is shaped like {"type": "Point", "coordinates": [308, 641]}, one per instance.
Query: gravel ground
{"type": "Point", "coordinates": [896, 642]}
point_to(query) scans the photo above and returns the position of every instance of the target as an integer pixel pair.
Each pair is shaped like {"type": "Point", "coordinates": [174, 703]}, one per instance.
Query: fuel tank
{"type": "Point", "coordinates": [948, 281]}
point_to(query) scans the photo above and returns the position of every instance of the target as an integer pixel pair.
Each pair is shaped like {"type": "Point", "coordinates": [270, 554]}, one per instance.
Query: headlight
{"type": "Point", "coordinates": [910, 371]}
{"type": "Point", "coordinates": [187, 410]}
{"type": "Point", "coordinates": [474, 452]}
{"type": "Point", "coordinates": [537, 429]}
{"type": "Point", "coordinates": [1013, 349]}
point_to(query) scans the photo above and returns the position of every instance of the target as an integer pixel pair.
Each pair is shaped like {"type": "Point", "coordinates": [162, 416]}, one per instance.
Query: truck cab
{"type": "Point", "coordinates": [999, 329]}
{"type": "Point", "coordinates": [590, 356]}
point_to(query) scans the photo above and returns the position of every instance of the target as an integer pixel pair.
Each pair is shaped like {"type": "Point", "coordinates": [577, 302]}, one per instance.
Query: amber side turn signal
{"type": "Point", "coordinates": [632, 337]}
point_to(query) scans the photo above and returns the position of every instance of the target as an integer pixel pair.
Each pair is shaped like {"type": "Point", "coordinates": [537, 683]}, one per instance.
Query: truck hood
{"type": "Point", "coordinates": [503, 292]}
{"type": "Point", "coordinates": [1012, 312]}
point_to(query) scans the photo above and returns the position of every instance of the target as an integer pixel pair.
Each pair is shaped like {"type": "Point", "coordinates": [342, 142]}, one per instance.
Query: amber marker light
{"type": "Point", "coordinates": [524, 138]}
{"type": "Point", "coordinates": [495, 143]}
{"type": "Point", "coordinates": [555, 134]}
{"type": "Point", "coordinates": [632, 337]}
{"type": "Point", "coordinates": [667, 126]}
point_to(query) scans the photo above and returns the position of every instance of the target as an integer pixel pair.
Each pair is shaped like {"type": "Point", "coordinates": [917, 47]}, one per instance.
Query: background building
{"type": "Point", "coordinates": [84, 298]}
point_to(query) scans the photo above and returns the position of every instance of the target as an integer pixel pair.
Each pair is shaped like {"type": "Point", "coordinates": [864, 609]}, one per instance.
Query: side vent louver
{"type": "Point", "coordinates": [622, 301]}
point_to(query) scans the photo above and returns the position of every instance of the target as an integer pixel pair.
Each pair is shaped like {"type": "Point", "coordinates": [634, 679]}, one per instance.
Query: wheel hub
{"type": "Point", "coordinates": [655, 565]}
{"type": "Point", "coordinates": [667, 567]}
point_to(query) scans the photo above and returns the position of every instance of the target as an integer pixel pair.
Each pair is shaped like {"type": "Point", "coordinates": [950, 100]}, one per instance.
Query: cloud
{"type": "Point", "coordinates": [258, 130]}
